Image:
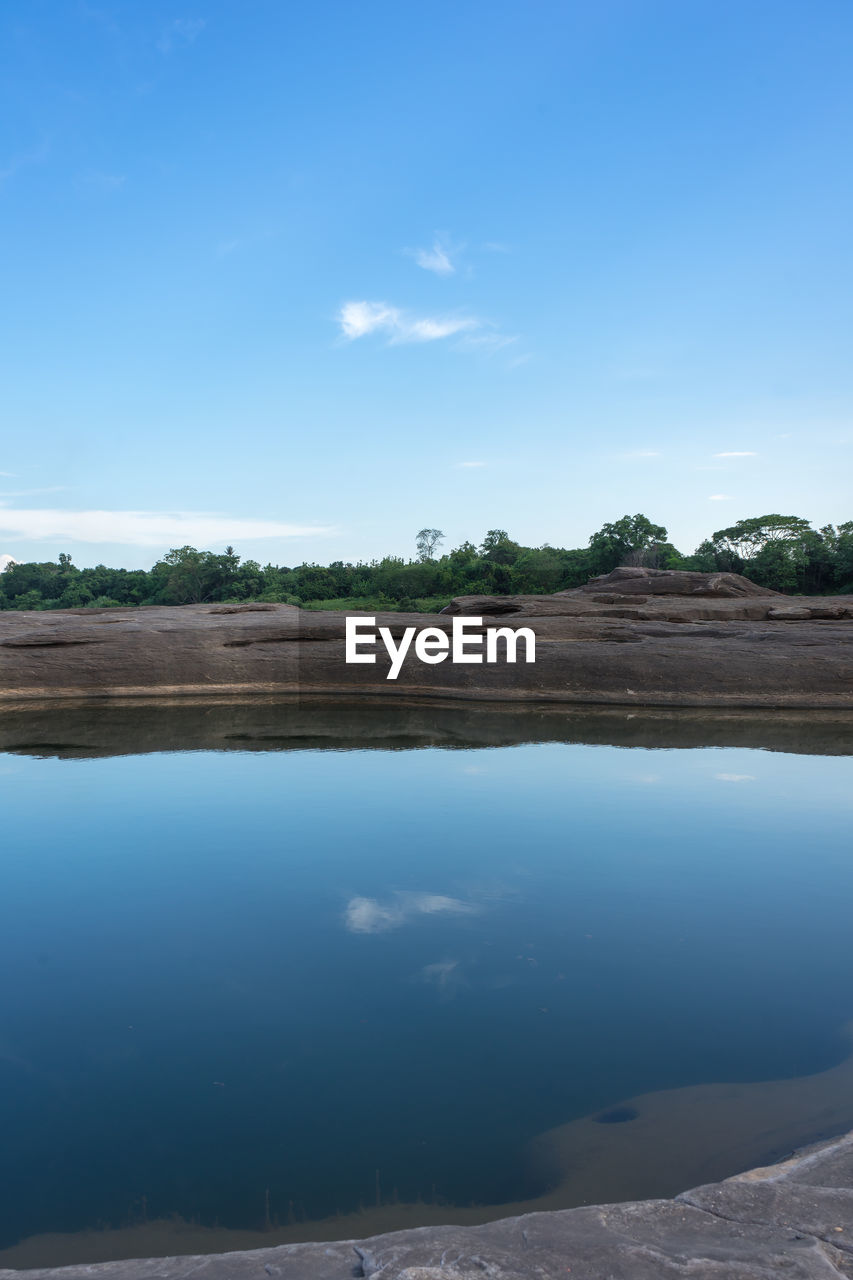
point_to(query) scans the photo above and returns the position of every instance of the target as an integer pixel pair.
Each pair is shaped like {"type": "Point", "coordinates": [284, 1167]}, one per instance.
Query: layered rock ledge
{"type": "Point", "coordinates": [793, 1219]}
{"type": "Point", "coordinates": [642, 637]}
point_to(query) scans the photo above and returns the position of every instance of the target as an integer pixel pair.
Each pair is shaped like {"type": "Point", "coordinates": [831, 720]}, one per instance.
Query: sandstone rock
{"type": "Point", "coordinates": [678, 582]}
{"type": "Point", "coordinates": [673, 650]}
{"type": "Point", "coordinates": [798, 613]}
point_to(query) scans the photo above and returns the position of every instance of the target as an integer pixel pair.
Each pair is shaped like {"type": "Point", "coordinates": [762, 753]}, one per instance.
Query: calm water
{"type": "Point", "coordinates": [227, 972]}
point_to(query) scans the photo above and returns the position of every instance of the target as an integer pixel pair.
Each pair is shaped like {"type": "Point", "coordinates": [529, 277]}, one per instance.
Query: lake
{"type": "Point", "coordinates": [371, 965]}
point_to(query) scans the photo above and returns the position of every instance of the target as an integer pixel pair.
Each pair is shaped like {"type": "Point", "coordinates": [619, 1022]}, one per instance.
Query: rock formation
{"type": "Point", "coordinates": [692, 640]}
{"type": "Point", "coordinates": [673, 582]}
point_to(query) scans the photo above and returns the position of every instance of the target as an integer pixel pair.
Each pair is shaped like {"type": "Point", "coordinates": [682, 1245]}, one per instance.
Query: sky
{"type": "Point", "coordinates": [306, 278]}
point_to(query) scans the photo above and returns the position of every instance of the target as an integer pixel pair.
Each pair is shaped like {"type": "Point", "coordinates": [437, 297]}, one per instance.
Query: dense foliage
{"type": "Point", "coordinates": [781, 552]}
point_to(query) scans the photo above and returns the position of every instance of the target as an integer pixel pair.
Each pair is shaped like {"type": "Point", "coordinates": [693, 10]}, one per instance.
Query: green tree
{"type": "Point", "coordinates": [843, 557]}
{"type": "Point", "coordinates": [427, 541]}
{"type": "Point", "coordinates": [499, 548]}
{"type": "Point", "coordinates": [188, 576]}
{"type": "Point", "coordinates": [748, 537]}
{"type": "Point", "coordinates": [538, 569]}
{"type": "Point", "coordinates": [633, 540]}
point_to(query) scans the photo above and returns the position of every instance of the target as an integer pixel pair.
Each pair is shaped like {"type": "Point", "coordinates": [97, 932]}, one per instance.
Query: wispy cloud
{"type": "Point", "coordinates": [179, 33]}
{"type": "Point", "coordinates": [487, 342]}
{"type": "Point", "coordinates": [737, 453]}
{"type": "Point", "coordinates": [369, 915]}
{"type": "Point", "coordinates": [358, 319]}
{"type": "Point", "coordinates": [641, 453]}
{"type": "Point", "coordinates": [735, 777]}
{"type": "Point", "coordinates": [463, 465]}
{"type": "Point", "coordinates": [719, 497]}
{"type": "Point", "coordinates": [438, 259]}
{"type": "Point", "coordinates": [146, 528]}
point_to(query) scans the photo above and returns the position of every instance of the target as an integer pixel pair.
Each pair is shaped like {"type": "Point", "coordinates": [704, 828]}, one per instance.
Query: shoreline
{"type": "Point", "coordinates": [793, 1216]}
{"type": "Point", "coordinates": [641, 1159]}
{"type": "Point", "coordinates": [81, 728]}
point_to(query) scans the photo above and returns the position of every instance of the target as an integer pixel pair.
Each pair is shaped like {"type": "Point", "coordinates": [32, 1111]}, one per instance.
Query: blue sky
{"type": "Point", "coordinates": [306, 278]}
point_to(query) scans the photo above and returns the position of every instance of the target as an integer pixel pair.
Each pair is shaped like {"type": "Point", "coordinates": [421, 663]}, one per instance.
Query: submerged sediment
{"type": "Point", "coordinates": [675, 642]}
{"type": "Point", "coordinates": [794, 1218]}
{"type": "Point", "coordinates": [595, 1168]}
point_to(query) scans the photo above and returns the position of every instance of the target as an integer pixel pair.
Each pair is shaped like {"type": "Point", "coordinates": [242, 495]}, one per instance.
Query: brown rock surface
{"type": "Point", "coordinates": [676, 582]}
{"type": "Point", "coordinates": [658, 648]}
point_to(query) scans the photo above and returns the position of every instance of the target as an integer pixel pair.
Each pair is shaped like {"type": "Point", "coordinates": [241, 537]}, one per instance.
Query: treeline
{"type": "Point", "coordinates": [781, 552]}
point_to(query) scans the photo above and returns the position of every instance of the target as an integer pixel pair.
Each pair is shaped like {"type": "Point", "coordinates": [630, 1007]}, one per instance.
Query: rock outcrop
{"type": "Point", "coordinates": [719, 645]}
{"type": "Point", "coordinates": [793, 1219]}
{"type": "Point", "coordinates": [673, 582]}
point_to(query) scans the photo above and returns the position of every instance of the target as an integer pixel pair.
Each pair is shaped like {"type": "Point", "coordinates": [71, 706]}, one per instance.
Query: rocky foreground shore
{"type": "Point", "coordinates": [793, 1219]}
{"type": "Point", "coordinates": [638, 636]}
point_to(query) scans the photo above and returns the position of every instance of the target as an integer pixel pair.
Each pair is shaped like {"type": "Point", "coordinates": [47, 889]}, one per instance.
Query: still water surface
{"type": "Point", "coordinates": [227, 973]}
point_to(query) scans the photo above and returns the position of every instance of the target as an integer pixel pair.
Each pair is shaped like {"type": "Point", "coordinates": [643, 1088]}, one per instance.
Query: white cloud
{"type": "Point", "coordinates": [719, 497]}
{"type": "Point", "coordinates": [179, 33]}
{"type": "Point", "coordinates": [459, 465]}
{"type": "Point", "coordinates": [735, 777]}
{"type": "Point", "coordinates": [488, 342]}
{"type": "Point", "coordinates": [642, 453]}
{"type": "Point", "coordinates": [145, 528]}
{"type": "Point", "coordinates": [737, 453]}
{"type": "Point", "coordinates": [358, 319]}
{"type": "Point", "coordinates": [429, 328]}
{"type": "Point", "coordinates": [5, 561]}
{"type": "Point", "coordinates": [437, 259]}
{"type": "Point", "coordinates": [369, 915]}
